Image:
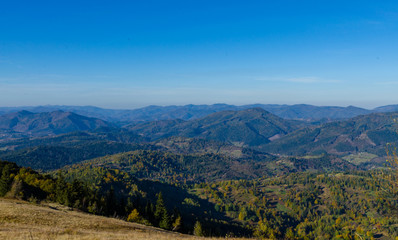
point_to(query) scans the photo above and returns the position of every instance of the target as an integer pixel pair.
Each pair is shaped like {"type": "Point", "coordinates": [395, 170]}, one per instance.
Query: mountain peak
{"type": "Point", "coordinates": [248, 127]}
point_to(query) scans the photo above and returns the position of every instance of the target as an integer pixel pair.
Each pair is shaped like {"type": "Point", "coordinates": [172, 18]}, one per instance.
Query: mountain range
{"type": "Point", "coordinates": [253, 127]}
{"type": "Point", "coordinates": [250, 127]}
{"type": "Point", "coordinates": [50, 140]}
{"type": "Point", "coordinates": [367, 133]}
{"type": "Point", "coordinates": [229, 169]}
{"type": "Point", "coordinates": [189, 112]}
{"type": "Point", "coordinates": [24, 123]}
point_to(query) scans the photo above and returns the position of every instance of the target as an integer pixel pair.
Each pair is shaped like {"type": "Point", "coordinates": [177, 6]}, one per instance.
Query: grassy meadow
{"type": "Point", "coordinates": [24, 220]}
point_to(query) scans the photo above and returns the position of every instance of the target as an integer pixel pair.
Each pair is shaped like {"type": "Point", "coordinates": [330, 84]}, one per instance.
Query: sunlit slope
{"type": "Point", "coordinates": [22, 220]}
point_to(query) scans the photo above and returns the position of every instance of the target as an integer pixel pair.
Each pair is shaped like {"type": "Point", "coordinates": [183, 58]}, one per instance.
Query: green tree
{"type": "Point", "coordinates": [165, 222]}
{"type": "Point", "coordinates": [5, 180]}
{"type": "Point", "coordinates": [60, 189]}
{"type": "Point", "coordinates": [198, 230]}
{"type": "Point", "coordinates": [159, 208]}
{"type": "Point", "coordinates": [162, 217]}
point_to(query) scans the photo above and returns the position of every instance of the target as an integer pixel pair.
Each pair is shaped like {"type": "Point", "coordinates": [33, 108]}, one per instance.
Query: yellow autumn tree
{"type": "Point", "coordinates": [134, 216]}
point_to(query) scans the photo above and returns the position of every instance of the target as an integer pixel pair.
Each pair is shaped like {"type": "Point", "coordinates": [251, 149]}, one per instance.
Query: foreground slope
{"type": "Point", "coordinates": [22, 220]}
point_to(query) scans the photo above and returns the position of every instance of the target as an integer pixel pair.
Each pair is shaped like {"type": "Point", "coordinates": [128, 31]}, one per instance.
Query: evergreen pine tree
{"type": "Point", "coordinates": [60, 189]}
{"type": "Point", "coordinates": [160, 208]}
{"type": "Point", "coordinates": [162, 217]}
{"type": "Point", "coordinates": [5, 180]}
{"type": "Point", "coordinates": [165, 222]}
{"type": "Point", "coordinates": [110, 202]}
{"type": "Point", "coordinates": [149, 212]}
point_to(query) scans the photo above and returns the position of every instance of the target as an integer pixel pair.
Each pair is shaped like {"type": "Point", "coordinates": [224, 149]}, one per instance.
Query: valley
{"type": "Point", "coordinates": [243, 173]}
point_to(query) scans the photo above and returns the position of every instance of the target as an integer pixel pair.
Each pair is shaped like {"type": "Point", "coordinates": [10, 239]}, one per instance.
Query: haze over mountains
{"type": "Point", "coordinates": [188, 112]}
{"type": "Point", "coordinates": [247, 127]}
{"type": "Point", "coordinates": [58, 138]}
{"type": "Point", "coordinates": [186, 151]}
{"type": "Point", "coordinates": [367, 133]}
{"type": "Point", "coordinates": [24, 123]}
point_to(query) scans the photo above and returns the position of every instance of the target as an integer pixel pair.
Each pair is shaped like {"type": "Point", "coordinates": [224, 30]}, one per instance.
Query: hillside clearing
{"type": "Point", "coordinates": [22, 220]}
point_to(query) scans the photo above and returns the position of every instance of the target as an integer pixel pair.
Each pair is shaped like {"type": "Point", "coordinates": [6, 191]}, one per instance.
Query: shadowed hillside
{"type": "Point", "coordinates": [368, 133]}
{"type": "Point", "coordinates": [27, 124]}
{"type": "Point", "coordinates": [249, 127]}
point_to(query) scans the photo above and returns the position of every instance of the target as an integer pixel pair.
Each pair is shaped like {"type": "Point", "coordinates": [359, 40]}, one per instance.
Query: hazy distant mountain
{"type": "Point", "coordinates": [186, 112]}
{"type": "Point", "coordinates": [26, 123]}
{"type": "Point", "coordinates": [249, 127]}
{"type": "Point", "coordinates": [190, 112]}
{"type": "Point", "coordinates": [150, 113]}
{"type": "Point", "coordinates": [88, 111]}
{"type": "Point", "coordinates": [309, 112]}
{"type": "Point", "coordinates": [388, 108]}
{"type": "Point", "coordinates": [367, 133]}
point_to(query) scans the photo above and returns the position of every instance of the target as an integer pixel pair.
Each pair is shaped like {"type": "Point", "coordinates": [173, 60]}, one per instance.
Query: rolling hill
{"type": "Point", "coordinates": [28, 124]}
{"type": "Point", "coordinates": [314, 113]}
{"type": "Point", "coordinates": [190, 112]}
{"type": "Point", "coordinates": [251, 127]}
{"type": "Point", "coordinates": [50, 157]}
{"type": "Point", "coordinates": [387, 108]}
{"type": "Point", "coordinates": [367, 133]}
{"type": "Point", "coordinates": [246, 172]}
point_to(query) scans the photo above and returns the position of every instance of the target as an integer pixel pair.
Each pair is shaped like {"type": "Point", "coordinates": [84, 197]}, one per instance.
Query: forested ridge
{"type": "Point", "coordinates": [317, 182]}
{"type": "Point", "coordinates": [297, 206]}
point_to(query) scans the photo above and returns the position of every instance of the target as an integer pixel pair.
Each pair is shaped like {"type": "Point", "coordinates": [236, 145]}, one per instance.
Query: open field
{"type": "Point", "coordinates": [22, 220]}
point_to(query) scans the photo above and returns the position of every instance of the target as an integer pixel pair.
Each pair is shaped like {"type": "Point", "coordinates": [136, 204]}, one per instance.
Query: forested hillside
{"type": "Point", "coordinates": [368, 133]}
{"type": "Point", "coordinates": [299, 205]}
{"type": "Point", "coordinates": [232, 173]}
{"type": "Point", "coordinates": [27, 124]}
{"type": "Point", "coordinates": [250, 127]}
{"type": "Point", "coordinates": [190, 112]}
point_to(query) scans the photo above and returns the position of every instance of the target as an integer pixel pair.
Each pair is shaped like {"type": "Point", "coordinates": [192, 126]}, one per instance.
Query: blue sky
{"type": "Point", "coordinates": [129, 54]}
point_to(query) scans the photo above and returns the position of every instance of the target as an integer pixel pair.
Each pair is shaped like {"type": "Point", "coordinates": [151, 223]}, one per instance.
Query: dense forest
{"type": "Point", "coordinates": [345, 205]}
{"type": "Point", "coordinates": [212, 177]}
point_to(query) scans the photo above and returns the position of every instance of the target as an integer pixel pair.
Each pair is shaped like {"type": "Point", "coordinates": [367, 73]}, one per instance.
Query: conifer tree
{"type": "Point", "coordinates": [162, 217]}
{"type": "Point", "coordinates": [60, 189]}
{"type": "Point", "coordinates": [165, 222]}
{"type": "Point", "coordinates": [159, 208]}
{"type": "Point", "coordinates": [149, 211]}
{"type": "Point", "coordinates": [5, 180]}
{"type": "Point", "coordinates": [110, 202]}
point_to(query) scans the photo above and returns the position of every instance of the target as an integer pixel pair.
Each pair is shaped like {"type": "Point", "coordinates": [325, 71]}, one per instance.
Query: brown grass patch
{"type": "Point", "coordinates": [22, 220]}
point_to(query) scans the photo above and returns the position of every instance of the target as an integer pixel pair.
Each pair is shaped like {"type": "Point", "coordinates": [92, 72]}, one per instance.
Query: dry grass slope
{"type": "Point", "coordinates": [22, 220]}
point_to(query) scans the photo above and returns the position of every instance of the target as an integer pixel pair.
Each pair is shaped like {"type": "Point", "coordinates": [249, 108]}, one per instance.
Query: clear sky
{"type": "Point", "coordinates": [129, 54]}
